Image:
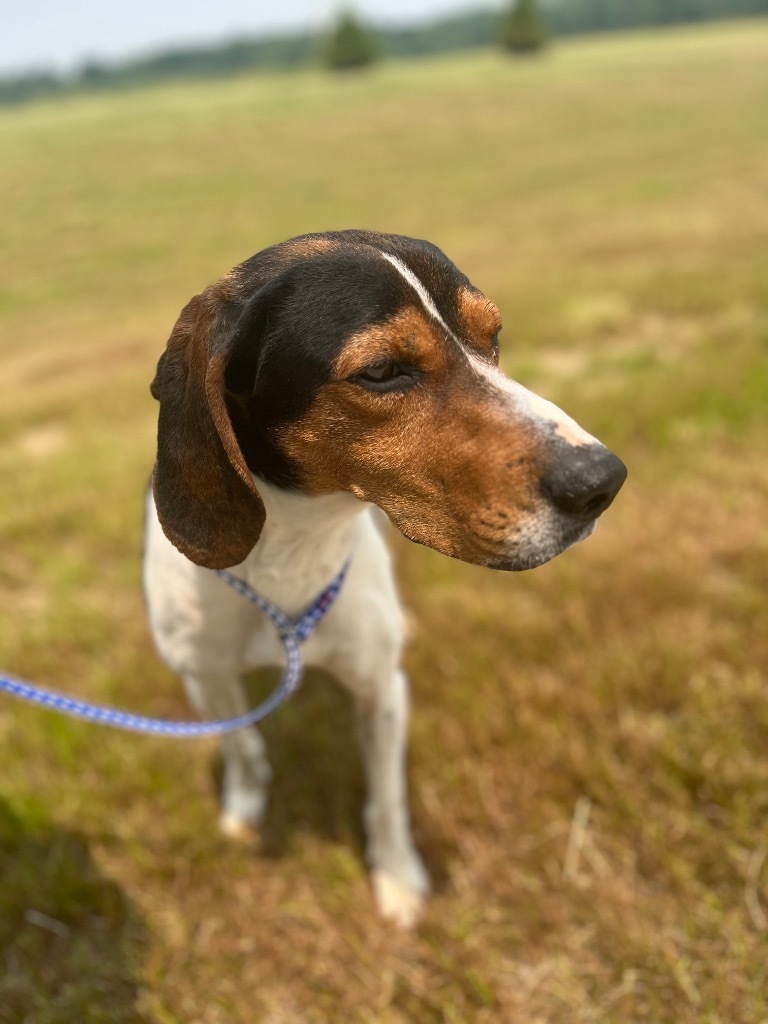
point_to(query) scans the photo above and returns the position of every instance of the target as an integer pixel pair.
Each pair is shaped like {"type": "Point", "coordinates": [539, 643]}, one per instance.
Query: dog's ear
{"type": "Point", "coordinates": [206, 500]}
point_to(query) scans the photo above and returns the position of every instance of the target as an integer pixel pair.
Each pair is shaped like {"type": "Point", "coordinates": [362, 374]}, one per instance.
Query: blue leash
{"type": "Point", "coordinates": [292, 633]}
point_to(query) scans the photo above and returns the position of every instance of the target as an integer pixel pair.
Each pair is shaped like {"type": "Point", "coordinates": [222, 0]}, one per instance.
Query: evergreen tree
{"type": "Point", "coordinates": [523, 29]}
{"type": "Point", "coordinates": [350, 45]}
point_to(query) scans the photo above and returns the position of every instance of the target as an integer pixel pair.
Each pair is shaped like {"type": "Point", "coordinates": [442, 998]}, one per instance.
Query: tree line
{"type": "Point", "coordinates": [288, 51]}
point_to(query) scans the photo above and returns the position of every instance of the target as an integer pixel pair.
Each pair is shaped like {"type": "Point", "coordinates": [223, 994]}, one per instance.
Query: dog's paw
{"type": "Point", "coordinates": [238, 829]}
{"type": "Point", "coordinates": [397, 902]}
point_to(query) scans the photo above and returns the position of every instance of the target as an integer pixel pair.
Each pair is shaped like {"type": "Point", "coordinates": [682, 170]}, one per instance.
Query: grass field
{"type": "Point", "coordinates": [589, 759]}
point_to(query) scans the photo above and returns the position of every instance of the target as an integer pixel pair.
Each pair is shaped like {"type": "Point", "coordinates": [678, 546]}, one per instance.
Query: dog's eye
{"type": "Point", "coordinates": [380, 373]}
{"type": "Point", "coordinates": [495, 342]}
{"type": "Point", "coordinates": [386, 376]}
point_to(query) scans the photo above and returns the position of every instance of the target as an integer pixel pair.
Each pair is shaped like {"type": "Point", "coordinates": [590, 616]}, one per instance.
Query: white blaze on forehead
{"type": "Point", "coordinates": [421, 291]}
{"type": "Point", "coordinates": [525, 402]}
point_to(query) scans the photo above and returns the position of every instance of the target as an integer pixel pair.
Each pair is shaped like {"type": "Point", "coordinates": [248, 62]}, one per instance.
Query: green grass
{"type": "Point", "coordinates": [612, 199]}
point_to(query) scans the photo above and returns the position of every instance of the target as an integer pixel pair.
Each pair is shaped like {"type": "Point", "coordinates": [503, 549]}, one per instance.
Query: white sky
{"type": "Point", "coordinates": [61, 33]}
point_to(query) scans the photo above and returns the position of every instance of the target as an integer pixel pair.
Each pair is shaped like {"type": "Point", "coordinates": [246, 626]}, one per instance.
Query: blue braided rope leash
{"type": "Point", "coordinates": [292, 633]}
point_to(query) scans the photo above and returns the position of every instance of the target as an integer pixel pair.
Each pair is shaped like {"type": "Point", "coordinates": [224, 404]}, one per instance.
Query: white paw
{"type": "Point", "coordinates": [234, 827]}
{"type": "Point", "coordinates": [397, 902]}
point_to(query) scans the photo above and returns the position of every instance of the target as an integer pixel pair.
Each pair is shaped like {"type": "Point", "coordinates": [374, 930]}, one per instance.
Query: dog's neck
{"type": "Point", "coordinates": [305, 540]}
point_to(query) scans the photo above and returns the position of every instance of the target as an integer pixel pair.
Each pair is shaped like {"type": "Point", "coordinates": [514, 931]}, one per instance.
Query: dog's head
{"type": "Point", "coordinates": [364, 362]}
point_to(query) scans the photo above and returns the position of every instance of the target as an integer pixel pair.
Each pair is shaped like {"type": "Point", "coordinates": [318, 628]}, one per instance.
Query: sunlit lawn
{"type": "Point", "coordinates": [590, 741]}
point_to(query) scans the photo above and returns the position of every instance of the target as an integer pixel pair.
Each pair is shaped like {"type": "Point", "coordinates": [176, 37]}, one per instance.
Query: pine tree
{"type": "Point", "coordinates": [350, 45]}
{"type": "Point", "coordinates": [523, 29]}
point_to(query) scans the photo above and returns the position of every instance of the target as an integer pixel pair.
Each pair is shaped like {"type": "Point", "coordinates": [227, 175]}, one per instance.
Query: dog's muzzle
{"type": "Point", "coordinates": [578, 486]}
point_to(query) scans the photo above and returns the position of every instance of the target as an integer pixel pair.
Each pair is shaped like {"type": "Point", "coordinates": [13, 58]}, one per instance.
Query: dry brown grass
{"type": "Point", "coordinates": [589, 768]}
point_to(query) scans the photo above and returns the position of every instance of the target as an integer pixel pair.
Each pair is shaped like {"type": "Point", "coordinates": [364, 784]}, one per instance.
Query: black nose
{"type": "Point", "coordinates": [584, 481]}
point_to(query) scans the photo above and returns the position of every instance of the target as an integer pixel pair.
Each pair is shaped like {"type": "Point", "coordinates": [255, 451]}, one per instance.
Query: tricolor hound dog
{"type": "Point", "coordinates": [322, 377]}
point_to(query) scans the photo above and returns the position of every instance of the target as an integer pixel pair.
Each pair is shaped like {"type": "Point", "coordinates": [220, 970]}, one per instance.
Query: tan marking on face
{"type": "Point", "coordinates": [451, 466]}
{"type": "Point", "coordinates": [226, 288]}
{"type": "Point", "coordinates": [480, 317]}
{"type": "Point", "coordinates": [406, 337]}
{"type": "Point", "coordinates": [238, 283]}
{"type": "Point", "coordinates": [302, 247]}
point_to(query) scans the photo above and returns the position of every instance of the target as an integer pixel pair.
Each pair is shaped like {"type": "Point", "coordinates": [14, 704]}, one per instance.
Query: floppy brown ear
{"type": "Point", "coordinates": [206, 500]}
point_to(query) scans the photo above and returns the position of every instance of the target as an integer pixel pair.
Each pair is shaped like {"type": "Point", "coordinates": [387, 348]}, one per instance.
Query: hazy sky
{"type": "Point", "coordinates": [60, 33]}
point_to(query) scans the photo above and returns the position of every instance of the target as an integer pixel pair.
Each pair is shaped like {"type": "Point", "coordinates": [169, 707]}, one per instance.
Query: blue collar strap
{"type": "Point", "coordinates": [292, 633]}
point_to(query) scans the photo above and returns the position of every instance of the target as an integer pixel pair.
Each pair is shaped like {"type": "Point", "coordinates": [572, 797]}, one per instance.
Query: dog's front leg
{"type": "Point", "coordinates": [400, 881]}
{"type": "Point", "coordinates": [247, 772]}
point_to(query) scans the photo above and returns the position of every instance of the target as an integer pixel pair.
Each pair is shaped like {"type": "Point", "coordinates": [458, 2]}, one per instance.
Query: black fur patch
{"type": "Point", "coordinates": [298, 308]}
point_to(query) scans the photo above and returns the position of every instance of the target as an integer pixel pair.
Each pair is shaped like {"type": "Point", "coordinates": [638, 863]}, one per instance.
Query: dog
{"type": "Point", "coordinates": [320, 380]}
